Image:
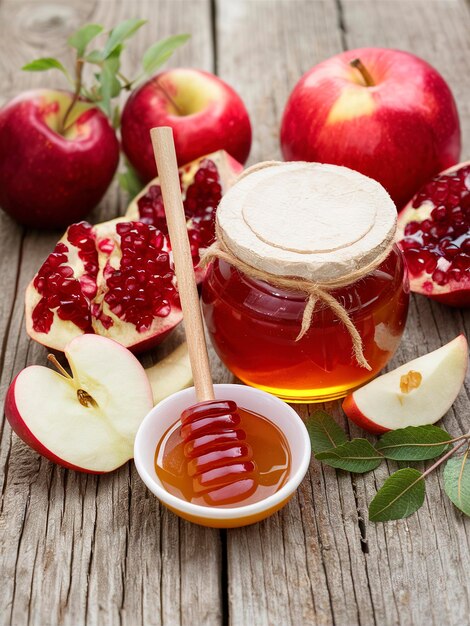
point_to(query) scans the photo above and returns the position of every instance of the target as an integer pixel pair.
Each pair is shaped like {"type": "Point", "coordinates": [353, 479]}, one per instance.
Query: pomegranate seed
{"type": "Point", "coordinates": [440, 277]}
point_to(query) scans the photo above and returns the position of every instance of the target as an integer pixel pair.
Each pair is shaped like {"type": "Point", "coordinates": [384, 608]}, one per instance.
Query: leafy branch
{"type": "Point", "coordinates": [108, 79]}
{"type": "Point", "coordinates": [403, 492]}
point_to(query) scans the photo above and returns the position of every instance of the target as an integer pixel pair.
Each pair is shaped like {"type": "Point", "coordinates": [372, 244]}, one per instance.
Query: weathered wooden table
{"type": "Point", "coordinates": [79, 549]}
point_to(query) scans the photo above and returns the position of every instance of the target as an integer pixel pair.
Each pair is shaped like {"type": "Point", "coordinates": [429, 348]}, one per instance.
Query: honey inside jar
{"type": "Point", "coordinates": [305, 295]}
{"type": "Point", "coordinates": [254, 327]}
{"type": "Point", "coordinates": [271, 455]}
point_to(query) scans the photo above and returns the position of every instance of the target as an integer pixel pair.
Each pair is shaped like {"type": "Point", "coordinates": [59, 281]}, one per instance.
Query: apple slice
{"type": "Point", "coordinates": [171, 374]}
{"type": "Point", "coordinates": [417, 393]}
{"type": "Point", "coordinates": [86, 421]}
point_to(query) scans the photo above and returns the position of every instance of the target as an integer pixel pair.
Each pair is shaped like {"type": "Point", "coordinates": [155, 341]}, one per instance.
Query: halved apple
{"type": "Point", "coordinates": [417, 393]}
{"type": "Point", "coordinates": [86, 421]}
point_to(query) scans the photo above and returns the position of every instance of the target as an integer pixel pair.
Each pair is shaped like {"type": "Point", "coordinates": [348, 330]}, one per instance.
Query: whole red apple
{"type": "Point", "coordinates": [386, 113]}
{"type": "Point", "coordinates": [205, 113]}
{"type": "Point", "coordinates": [49, 176]}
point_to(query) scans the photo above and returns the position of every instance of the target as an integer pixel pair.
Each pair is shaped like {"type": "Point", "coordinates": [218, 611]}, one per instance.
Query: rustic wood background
{"type": "Point", "coordinates": [77, 549]}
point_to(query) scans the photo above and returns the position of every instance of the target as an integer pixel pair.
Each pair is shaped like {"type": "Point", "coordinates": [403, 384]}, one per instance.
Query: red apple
{"type": "Point", "coordinates": [51, 177]}
{"type": "Point", "coordinates": [386, 113]}
{"type": "Point", "coordinates": [417, 393]}
{"type": "Point", "coordinates": [87, 421]}
{"type": "Point", "coordinates": [205, 114]}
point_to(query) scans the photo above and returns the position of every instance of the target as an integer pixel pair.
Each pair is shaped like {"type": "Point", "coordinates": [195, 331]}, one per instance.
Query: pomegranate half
{"type": "Point", "coordinates": [434, 235]}
{"type": "Point", "coordinates": [115, 279]}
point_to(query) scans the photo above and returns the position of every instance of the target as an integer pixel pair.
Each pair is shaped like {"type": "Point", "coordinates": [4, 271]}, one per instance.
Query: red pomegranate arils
{"type": "Point", "coordinates": [60, 291]}
{"type": "Point", "coordinates": [142, 288]}
{"type": "Point", "coordinates": [437, 242]}
{"type": "Point", "coordinates": [201, 199]}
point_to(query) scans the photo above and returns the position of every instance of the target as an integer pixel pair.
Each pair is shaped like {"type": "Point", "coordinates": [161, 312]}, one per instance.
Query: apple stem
{"type": "Point", "coordinates": [446, 456]}
{"type": "Point", "coordinates": [168, 97]}
{"type": "Point", "coordinates": [83, 396]}
{"type": "Point", "coordinates": [359, 65]}
{"type": "Point", "coordinates": [78, 88]}
{"type": "Point", "coordinates": [57, 365]}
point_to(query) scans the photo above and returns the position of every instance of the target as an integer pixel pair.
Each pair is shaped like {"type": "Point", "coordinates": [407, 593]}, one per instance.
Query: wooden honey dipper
{"type": "Point", "coordinates": [220, 460]}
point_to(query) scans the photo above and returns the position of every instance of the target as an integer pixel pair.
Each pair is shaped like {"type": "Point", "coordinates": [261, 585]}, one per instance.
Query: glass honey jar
{"type": "Point", "coordinates": [305, 295]}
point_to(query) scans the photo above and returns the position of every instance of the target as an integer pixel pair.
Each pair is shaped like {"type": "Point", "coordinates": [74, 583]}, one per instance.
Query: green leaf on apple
{"type": "Point", "coordinates": [161, 51]}
{"type": "Point", "coordinates": [44, 64]}
{"type": "Point", "coordinates": [414, 443]}
{"type": "Point", "coordinates": [83, 36]}
{"type": "Point", "coordinates": [401, 495]}
{"type": "Point", "coordinates": [357, 455]}
{"type": "Point", "coordinates": [119, 34]}
{"type": "Point", "coordinates": [457, 481]}
{"type": "Point", "coordinates": [324, 432]}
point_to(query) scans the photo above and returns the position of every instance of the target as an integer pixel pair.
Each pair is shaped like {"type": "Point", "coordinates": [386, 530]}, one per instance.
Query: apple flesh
{"type": "Point", "coordinates": [50, 177]}
{"type": "Point", "coordinates": [417, 393]}
{"type": "Point", "coordinates": [88, 421]}
{"type": "Point", "coordinates": [171, 374]}
{"type": "Point", "coordinates": [397, 121]}
{"type": "Point", "coordinates": [204, 112]}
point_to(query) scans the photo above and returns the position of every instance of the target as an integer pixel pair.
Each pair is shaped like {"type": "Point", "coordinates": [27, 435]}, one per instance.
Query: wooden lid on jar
{"type": "Point", "coordinates": [309, 220]}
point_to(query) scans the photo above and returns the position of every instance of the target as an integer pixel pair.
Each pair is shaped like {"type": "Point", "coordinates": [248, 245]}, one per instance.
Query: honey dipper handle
{"type": "Point", "coordinates": [165, 158]}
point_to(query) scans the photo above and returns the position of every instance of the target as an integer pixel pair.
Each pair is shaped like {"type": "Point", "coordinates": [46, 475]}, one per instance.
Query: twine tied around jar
{"type": "Point", "coordinates": [314, 291]}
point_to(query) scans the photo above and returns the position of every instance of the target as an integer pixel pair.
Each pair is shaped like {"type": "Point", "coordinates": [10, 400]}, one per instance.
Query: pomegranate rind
{"type": "Point", "coordinates": [454, 293]}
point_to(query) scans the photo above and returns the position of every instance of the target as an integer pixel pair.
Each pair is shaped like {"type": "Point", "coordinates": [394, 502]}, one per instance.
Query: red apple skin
{"type": "Point", "coordinates": [354, 414]}
{"type": "Point", "coordinates": [401, 131]}
{"type": "Point", "coordinates": [24, 433]}
{"type": "Point", "coordinates": [48, 180]}
{"type": "Point", "coordinates": [213, 117]}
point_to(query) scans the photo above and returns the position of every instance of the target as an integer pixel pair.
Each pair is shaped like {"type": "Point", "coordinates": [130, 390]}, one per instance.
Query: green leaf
{"type": "Point", "coordinates": [324, 432]}
{"type": "Point", "coordinates": [44, 64]}
{"type": "Point", "coordinates": [110, 80]}
{"type": "Point", "coordinates": [95, 57]}
{"type": "Point", "coordinates": [120, 33]}
{"type": "Point", "coordinates": [161, 51]}
{"type": "Point", "coordinates": [414, 443]}
{"type": "Point", "coordinates": [401, 495]}
{"type": "Point", "coordinates": [129, 181]}
{"type": "Point", "coordinates": [114, 61]}
{"type": "Point", "coordinates": [457, 481]}
{"type": "Point", "coordinates": [106, 89]}
{"type": "Point", "coordinates": [82, 37]}
{"type": "Point", "coordinates": [357, 455]}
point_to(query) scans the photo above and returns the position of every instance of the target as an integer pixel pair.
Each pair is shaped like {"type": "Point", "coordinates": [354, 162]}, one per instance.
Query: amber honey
{"type": "Point", "coordinates": [253, 327]}
{"type": "Point", "coordinates": [271, 454]}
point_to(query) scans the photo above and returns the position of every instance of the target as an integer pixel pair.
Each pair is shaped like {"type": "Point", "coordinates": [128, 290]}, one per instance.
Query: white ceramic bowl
{"type": "Point", "coordinates": [161, 417]}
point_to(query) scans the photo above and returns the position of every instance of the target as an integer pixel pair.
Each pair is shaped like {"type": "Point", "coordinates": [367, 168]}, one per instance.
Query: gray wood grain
{"type": "Point", "coordinates": [78, 549]}
{"type": "Point", "coordinates": [319, 561]}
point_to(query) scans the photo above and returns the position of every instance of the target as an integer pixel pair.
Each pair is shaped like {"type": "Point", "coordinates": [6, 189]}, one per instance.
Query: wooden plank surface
{"type": "Point", "coordinates": [79, 549]}
{"type": "Point", "coordinates": [318, 561]}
